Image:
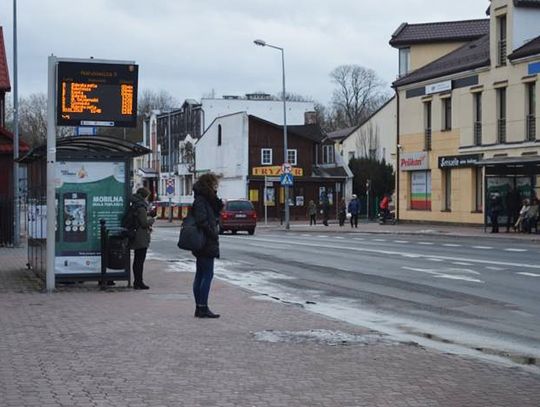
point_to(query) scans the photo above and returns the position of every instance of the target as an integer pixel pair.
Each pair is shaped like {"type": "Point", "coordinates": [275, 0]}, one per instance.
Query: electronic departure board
{"type": "Point", "coordinates": [97, 94]}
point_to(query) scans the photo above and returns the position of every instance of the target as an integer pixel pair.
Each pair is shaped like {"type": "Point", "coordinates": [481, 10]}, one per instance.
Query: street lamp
{"type": "Point", "coordinates": [262, 43]}
{"type": "Point", "coordinates": [170, 167]}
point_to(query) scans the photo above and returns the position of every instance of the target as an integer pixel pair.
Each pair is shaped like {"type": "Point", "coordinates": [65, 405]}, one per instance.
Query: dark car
{"type": "Point", "coordinates": [238, 214]}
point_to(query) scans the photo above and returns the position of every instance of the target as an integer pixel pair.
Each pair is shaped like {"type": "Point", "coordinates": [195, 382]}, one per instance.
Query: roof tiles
{"type": "Point", "coordinates": [530, 48]}
{"type": "Point", "coordinates": [4, 72]}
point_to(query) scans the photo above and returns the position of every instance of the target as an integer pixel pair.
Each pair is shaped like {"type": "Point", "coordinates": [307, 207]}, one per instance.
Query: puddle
{"type": "Point", "coordinates": [320, 337]}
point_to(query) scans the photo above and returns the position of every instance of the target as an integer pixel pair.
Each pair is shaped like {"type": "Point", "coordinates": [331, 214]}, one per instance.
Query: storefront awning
{"type": "Point", "coordinates": [523, 160]}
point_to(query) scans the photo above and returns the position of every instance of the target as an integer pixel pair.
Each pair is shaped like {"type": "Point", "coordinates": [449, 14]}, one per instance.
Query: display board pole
{"type": "Point", "coordinates": [265, 202]}
{"type": "Point", "coordinates": [16, 181]}
{"type": "Point", "coordinates": [51, 173]}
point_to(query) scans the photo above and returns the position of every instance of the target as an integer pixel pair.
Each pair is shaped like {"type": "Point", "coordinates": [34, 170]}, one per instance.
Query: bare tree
{"type": "Point", "coordinates": [368, 142]}
{"type": "Point", "coordinates": [155, 100]}
{"type": "Point", "coordinates": [359, 92]}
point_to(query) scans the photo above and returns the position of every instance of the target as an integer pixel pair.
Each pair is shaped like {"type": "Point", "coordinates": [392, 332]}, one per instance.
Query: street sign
{"type": "Point", "coordinates": [169, 189]}
{"type": "Point", "coordinates": [286, 168]}
{"type": "Point", "coordinates": [287, 180]}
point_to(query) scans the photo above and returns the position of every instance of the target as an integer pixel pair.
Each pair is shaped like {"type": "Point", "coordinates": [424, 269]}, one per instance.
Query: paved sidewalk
{"type": "Point", "coordinates": [83, 347]}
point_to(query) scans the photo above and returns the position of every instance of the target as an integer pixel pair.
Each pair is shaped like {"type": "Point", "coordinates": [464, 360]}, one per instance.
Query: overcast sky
{"type": "Point", "coordinates": [191, 47]}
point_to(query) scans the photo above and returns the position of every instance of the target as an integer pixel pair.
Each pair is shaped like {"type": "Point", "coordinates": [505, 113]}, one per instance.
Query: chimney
{"type": "Point", "coordinates": [310, 118]}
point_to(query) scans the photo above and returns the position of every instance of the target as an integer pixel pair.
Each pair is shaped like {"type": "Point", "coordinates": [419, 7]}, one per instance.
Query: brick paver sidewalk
{"type": "Point", "coordinates": [82, 347]}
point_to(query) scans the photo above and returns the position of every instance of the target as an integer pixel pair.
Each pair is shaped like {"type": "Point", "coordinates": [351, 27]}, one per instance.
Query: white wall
{"type": "Point", "coordinates": [526, 25]}
{"type": "Point", "coordinates": [230, 160]}
{"type": "Point", "coordinates": [384, 125]}
{"type": "Point", "coordinates": [271, 110]}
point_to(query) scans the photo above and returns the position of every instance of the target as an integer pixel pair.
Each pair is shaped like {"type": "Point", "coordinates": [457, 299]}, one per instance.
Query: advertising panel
{"type": "Point", "coordinates": [421, 190]}
{"type": "Point", "coordinates": [459, 161]}
{"type": "Point", "coordinates": [414, 161]}
{"type": "Point", "coordinates": [87, 192]}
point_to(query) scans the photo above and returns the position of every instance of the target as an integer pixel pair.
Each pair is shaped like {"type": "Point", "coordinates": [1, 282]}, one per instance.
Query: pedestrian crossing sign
{"type": "Point", "coordinates": [287, 179]}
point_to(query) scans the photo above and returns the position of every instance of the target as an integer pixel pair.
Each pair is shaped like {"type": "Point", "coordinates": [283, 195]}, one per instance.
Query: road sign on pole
{"type": "Point", "coordinates": [286, 168]}
{"type": "Point", "coordinates": [287, 180]}
{"type": "Point", "coordinates": [169, 189]}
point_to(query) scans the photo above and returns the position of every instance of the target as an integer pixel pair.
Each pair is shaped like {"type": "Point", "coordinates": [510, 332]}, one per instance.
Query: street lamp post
{"type": "Point", "coordinates": [16, 194]}
{"type": "Point", "coordinates": [171, 173]}
{"type": "Point", "coordinates": [285, 147]}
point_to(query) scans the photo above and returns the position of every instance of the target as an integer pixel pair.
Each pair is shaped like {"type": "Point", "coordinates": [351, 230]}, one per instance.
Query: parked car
{"type": "Point", "coordinates": [238, 214]}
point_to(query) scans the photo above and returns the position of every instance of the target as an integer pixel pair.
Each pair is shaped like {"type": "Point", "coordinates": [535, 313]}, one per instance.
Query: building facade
{"type": "Point", "coordinates": [467, 121]}
{"type": "Point", "coordinates": [247, 153]}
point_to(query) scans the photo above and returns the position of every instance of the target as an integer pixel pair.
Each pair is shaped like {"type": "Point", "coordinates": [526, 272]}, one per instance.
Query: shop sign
{"type": "Point", "coordinates": [275, 170]}
{"type": "Point", "coordinates": [458, 161]}
{"type": "Point", "coordinates": [438, 87]}
{"type": "Point", "coordinates": [534, 68]}
{"type": "Point", "coordinates": [414, 161]}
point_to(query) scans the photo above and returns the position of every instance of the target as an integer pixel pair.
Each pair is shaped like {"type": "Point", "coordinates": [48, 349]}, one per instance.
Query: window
{"type": "Point", "coordinates": [427, 126]}
{"type": "Point", "coordinates": [291, 157]}
{"type": "Point", "coordinates": [479, 187]}
{"type": "Point", "coordinates": [404, 61]}
{"type": "Point", "coordinates": [447, 187]}
{"type": "Point", "coordinates": [420, 182]}
{"type": "Point", "coordinates": [477, 125]}
{"type": "Point", "coordinates": [501, 40]}
{"type": "Point", "coordinates": [530, 119]}
{"type": "Point", "coordinates": [501, 115]}
{"type": "Point", "coordinates": [328, 154]}
{"type": "Point", "coordinates": [447, 114]}
{"type": "Point", "coordinates": [219, 135]}
{"type": "Point", "coordinates": [266, 156]}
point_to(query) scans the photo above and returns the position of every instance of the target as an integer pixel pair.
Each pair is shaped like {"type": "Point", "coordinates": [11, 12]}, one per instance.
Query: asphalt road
{"type": "Point", "coordinates": [469, 295]}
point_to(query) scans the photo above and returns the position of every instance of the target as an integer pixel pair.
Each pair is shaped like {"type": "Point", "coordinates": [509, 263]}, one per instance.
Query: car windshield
{"type": "Point", "coordinates": [239, 206]}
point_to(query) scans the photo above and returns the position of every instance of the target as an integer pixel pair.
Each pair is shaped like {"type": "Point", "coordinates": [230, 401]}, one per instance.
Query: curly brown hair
{"type": "Point", "coordinates": [209, 180]}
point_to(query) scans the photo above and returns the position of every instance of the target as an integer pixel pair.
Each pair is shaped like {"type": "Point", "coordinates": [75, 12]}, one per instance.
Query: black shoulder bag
{"type": "Point", "coordinates": [191, 236]}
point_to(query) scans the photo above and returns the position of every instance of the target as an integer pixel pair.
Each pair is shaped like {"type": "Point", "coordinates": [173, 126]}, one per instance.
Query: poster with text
{"type": "Point", "coordinates": [421, 190]}
{"type": "Point", "coordinates": [86, 192]}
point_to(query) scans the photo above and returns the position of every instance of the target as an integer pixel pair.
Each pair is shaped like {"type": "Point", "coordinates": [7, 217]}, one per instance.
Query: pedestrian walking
{"type": "Point", "coordinates": [495, 207]}
{"type": "Point", "coordinates": [354, 210]}
{"type": "Point", "coordinates": [325, 205]}
{"type": "Point", "coordinates": [342, 211]}
{"type": "Point", "coordinates": [141, 241]}
{"type": "Point", "coordinates": [312, 212]}
{"type": "Point", "coordinates": [384, 206]}
{"type": "Point", "coordinates": [513, 204]}
{"type": "Point", "coordinates": [206, 208]}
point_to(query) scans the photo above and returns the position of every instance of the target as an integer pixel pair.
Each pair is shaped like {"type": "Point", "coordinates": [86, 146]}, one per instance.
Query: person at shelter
{"type": "Point", "coordinates": [141, 241]}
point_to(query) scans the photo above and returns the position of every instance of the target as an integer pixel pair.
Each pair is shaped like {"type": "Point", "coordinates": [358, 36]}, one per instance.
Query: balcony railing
{"type": "Point", "coordinates": [477, 133]}
{"type": "Point", "coordinates": [502, 52]}
{"type": "Point", "coordinates": [427, 139]}
{"type": "Point", "coordinates": [531, 127]}
{"type": "Point", "coordinates": [501, 131]}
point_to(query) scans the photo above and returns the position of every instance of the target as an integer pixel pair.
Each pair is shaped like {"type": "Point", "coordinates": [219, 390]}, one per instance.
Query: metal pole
{"type": "Point", "coordinates": [265, 203]}
{"type": "Point", "coordinates": [170, 163]}
{"type": "Point", "coordinates": [51, 173]}
{"type": "Point", "coordinates": [16, 214]}
{"type": "Point", "coordinates": [285, 145]}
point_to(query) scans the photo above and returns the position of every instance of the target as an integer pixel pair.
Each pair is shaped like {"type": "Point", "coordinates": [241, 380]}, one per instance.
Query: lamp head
{"type": "Point", "coordinates": [260, 43]}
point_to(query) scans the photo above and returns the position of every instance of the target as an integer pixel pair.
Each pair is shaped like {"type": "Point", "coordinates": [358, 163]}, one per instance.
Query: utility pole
{"type": "Point", "coordinates": [171, 172]}
{"type": "Point", "coordinates": [16, 194]}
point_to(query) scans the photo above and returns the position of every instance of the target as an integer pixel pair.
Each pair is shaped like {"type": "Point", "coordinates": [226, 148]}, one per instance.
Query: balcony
{"type": "Point", "coordinates": [531, 127]}
{"type": "Point", "coordinates": [477, 133]}
{"type": "Point", "coordinates": [501, 131]}
{"type": "Point", "coordinates": [427, 139]}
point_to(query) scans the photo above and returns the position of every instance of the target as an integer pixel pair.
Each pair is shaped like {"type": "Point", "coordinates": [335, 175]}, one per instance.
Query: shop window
{"type": "Point", "coordinates": [479, 190]}
{"type": "Point", "coordinates": [420, 190]}
{"type": "Point", "coordinates": [254, 195]}
{"type": "Point", "coordinates": [447, 187]}
{"type": "Point", "coordinates": [266, 156]}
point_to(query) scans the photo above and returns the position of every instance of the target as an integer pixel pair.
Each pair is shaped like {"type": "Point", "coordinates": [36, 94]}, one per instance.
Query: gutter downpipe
{"type": "Point", "coordinates": [398, 151]}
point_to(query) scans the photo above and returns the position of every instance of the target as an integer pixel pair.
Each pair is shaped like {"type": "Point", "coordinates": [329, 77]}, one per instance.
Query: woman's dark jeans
{"type": "Point", "coordinates": [203, 279]}
{"type": "Point", "coordinates": [138, 265]}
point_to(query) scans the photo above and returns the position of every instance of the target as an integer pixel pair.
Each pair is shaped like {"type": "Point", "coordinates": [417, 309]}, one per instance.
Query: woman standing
{"type": "Point", "coordinates": [205, 210]}
{"type": "Point", "coordinates": [141, 241]}
{"type": "Point", "coordinates": [312, 212]}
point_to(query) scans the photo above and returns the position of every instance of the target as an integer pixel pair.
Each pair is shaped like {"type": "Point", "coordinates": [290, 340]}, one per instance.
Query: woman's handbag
{"type": "Point", "coordinates": [191, 236]}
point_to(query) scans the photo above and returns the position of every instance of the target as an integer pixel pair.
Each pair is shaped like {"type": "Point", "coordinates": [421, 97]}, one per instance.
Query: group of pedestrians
{"type": "Point", "coordinates": [352, 210]}
{"type": "Point", "coordinates": [205, 210]}
{"type": "Point", "coordinates": [522, 215]}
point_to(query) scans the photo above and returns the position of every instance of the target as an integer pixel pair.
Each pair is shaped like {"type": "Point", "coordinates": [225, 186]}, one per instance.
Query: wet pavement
{"type": "Point", "coordinates": [118, 348]}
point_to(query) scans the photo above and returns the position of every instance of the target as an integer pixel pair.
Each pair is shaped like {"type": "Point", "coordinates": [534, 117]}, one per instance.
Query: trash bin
{"type": "Point", "coordinates": [117, 252]}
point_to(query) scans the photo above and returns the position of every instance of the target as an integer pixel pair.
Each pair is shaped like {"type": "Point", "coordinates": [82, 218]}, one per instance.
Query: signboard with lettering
{"type": "Point", "coordinates": [438, 87]}
{"type": "Point", "coordinates": [96, 94]}
{"type": "Point", "coordinates": [414, 161]}
{"type": "Point", "coordinates": [458, 161]}
{"type": "Point", "coordinates": [533, 68]}
{"type": "Point", "coordinates": [275, 170]}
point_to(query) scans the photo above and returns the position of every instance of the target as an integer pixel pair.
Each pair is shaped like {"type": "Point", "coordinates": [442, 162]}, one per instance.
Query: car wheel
{"type": "Point", "coordinates": [251, 231]}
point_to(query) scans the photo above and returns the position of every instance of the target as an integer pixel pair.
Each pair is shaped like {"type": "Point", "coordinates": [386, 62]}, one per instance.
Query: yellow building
{"type": "Point", "coordinates": [466, 113]}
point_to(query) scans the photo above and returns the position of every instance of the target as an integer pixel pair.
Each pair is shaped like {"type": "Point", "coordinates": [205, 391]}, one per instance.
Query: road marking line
{"type": "Point", "coordinates": [495, 268]}
{"type": "Point", "coordinates": [322, 236]}
{"type": "Point", "coordinates": [358, 238]}
{"type": "Point", "coordinates": [379, 240]}
{"type": "Point", "coordinates": [439, 260]}
{"type": "Point", "coordinates": [426, 243]}
{"type": "Point", "coordinates": [451, 245]}
{"type": "Point", "coordinates": [460, 263]}
{"type": "Point", "coordinates": [443, 274]}
{"type": "Point", "coordinates": [339, 237]}
{"type": "Point", "coordinates": [401, 241]}
{"type": "Point", "coordinates": [393, 252]}
{"type": "Point", "coordinates": [483, 247]}
{"type": "Point", "coordinates": [515, 250]}
{"type": "Point", "coordinates": [529, 274]}
{"type": "Point", "coordinates": [464, 278]}
{"type": "Point", "coordinates": [306, 235]}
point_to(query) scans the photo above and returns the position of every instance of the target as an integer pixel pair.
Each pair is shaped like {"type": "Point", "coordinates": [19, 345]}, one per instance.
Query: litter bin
{"type": "Point", "coordinates": [117, 252]}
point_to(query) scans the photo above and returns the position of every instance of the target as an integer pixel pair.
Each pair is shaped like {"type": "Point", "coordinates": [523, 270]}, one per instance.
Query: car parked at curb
{"type": "Point", "coordinates": [238, 214]}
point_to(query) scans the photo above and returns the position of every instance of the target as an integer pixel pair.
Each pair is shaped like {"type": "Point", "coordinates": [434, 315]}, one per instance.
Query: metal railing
{"type": "Point", "coordinates": [427, 139]}
{"type": "Point", "coordinates": [502, 52]}
{"type": "Point", "coordinates": [531, 127]}
{"type": "Point", "coordinates": [477, 133]}
{"type": "Point", "coordinates": [501, 131]}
